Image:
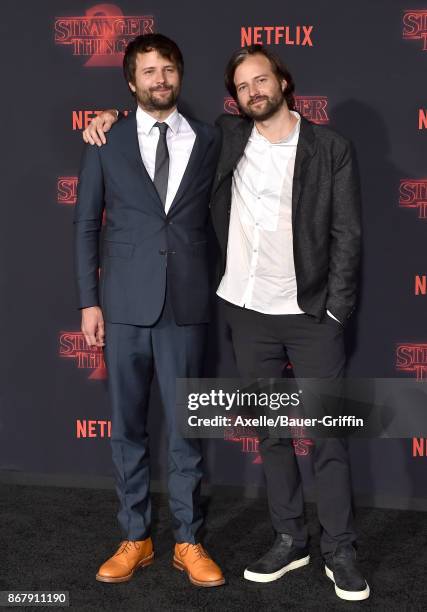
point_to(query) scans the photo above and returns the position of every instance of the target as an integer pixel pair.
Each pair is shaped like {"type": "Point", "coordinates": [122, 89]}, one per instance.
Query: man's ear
{"type": "Point", "coordinates": [132, 87]}
{"type": "Point", "coordinates": [284, 84]}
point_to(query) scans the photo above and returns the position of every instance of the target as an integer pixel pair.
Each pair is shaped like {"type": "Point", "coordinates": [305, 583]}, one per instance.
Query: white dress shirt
{"type": "Point", "coordinates": [180, 139]}
{"type": "Point", "coordinates": [260, 270]}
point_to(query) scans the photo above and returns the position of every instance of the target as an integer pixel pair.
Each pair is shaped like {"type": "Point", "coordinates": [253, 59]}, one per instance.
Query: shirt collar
{"type": "Point", "coordinates": [291, 139]}
{"type": "Point", "coordinates": [145, 122]}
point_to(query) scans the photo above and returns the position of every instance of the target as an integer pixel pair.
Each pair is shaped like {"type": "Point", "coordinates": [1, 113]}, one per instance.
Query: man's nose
{"type": "Point", "coordinates": [253, 90]}
{"type": "Point", "coordinates": [161, 77]}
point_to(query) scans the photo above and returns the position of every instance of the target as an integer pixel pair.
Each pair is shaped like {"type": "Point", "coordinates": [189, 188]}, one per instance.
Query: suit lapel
{"type": "Point", "coordinates": [131, 150]}
{"type": "Point", "coordinates": [232, 151]}
{"type": "Point", "coordinates": [197, 155]}
{"type": "Point", "coordinates": [305, 150]}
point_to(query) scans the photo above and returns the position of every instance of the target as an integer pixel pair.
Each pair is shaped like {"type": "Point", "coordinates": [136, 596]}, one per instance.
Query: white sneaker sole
{"type": "Point", "coordinates": [276, 575]}
{"type": "Point", "coordinates": [348, 595]}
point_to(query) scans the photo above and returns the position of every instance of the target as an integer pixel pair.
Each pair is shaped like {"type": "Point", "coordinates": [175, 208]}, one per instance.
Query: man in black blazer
{"type": "Point", "coordinates": [150, 305]}
{"type": "Point", "coordinates": [286, 212]}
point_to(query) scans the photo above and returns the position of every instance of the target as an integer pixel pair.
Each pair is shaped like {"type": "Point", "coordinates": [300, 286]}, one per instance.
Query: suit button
{"type": "Point", "coordinates": [162, 252]}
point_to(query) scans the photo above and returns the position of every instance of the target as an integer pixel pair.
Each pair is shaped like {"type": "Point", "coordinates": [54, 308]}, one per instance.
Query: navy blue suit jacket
{"type": "Point", "coordinates": [142, 247]}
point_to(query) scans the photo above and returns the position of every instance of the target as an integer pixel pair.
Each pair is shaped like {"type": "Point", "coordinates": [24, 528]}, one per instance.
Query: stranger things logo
{"type": "Point", "coordinates": [102, 34]}
{"type": "Point", "coordinates": [413, 194]}
{"type": "Point", "coordinates": [411, 357]}
{"type": "Point", "coordinates": [66, 187]}
{"type": "Point", "coordinates": [313, 108]}
{"type": "Point", "coordinates": [72, 345]}
{"type": "Point", "coordinates": [249, 443]}
{"type": "Point", "coordinates": [415, 26]}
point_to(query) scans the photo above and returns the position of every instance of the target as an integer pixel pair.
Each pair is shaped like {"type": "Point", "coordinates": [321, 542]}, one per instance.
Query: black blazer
{"type": "Point", "coordinates": [325, 213]}
{"type": "Point", "coordinates": [143, 248]}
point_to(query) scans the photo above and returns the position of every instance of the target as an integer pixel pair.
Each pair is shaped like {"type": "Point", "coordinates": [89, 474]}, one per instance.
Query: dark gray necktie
{"type": "Point", "coordinates": [161, 172]}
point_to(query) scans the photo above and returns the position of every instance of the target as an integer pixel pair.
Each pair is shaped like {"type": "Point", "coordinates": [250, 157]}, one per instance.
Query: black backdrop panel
{"type": "Point", "coordinates": [359, 67]}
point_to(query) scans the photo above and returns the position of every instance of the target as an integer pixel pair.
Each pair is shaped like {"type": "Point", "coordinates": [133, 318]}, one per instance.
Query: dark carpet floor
{"type": "Point", "coordinates": [56, 538]}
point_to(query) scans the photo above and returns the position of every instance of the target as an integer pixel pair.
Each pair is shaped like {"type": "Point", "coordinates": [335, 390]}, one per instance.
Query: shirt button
{"type": "Point", "coordinates": [255, 250]}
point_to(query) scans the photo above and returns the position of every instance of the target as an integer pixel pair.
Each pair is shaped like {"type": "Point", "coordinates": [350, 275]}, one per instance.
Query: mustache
{"type": "Point", "coordinates": [257, 99]}
{"type": "Point", "coordinates": [161, 88]}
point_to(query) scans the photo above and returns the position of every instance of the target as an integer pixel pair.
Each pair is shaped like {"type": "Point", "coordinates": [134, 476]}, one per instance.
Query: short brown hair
{"type": "Point", "coordinates": [151, 42]}
{"type": "Point", "coordinates": [279, 69]}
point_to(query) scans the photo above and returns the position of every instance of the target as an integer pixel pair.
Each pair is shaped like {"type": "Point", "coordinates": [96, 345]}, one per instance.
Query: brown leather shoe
{"type": "Point", "coordinates": [201, 569]}
{"type": "Point", "coordinates": [129, 556]}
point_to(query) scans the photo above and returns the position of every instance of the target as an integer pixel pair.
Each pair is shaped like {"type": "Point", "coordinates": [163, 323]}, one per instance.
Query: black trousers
{"type": "Point", "coordinates": [132, 354]}
{"type": "Point", "coordinates": [263, 344]}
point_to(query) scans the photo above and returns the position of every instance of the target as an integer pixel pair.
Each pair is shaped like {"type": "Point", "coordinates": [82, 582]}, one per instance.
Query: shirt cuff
{"type": "Point", "coordinates": [332, 316]}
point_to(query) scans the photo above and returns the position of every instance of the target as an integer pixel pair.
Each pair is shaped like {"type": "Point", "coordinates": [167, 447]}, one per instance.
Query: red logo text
{"type": "Point", "coordinates": [419, 447]}
{"type": "Point", "coordinates": [420, 284]}
{"type": "Point", "coordinates": [412, 357]}
{"type": "Point", "coordinates": [67, 189]}
{"type": "Point", "coordinates": [93, 429]}
{"type": "Point", "coordinates": [415, 26]}
{"type": "Point", "coordinates": [72, 345]}
{"type": "Point", "coordinates": [277, 35]}
{"type": "Point", "coordinates": [413, 194]}
{"type": "Point", "coordinates": [102, 34]}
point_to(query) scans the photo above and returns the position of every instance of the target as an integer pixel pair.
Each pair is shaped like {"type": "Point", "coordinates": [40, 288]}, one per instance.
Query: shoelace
{"type": "Point", "coordinates": [125, 546]}
{"type": "Point", "coordinates": [198, 549]}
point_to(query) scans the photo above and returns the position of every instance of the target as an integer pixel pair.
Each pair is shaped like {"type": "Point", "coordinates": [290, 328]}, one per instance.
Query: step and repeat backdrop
{"type": "Point", "coordinates": [359, 67]}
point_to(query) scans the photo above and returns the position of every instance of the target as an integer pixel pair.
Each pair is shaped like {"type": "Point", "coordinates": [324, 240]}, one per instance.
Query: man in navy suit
{"type": "Point", "coordinates": [150, 306]}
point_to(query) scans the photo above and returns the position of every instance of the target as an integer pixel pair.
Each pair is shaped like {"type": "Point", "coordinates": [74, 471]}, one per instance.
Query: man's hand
{"type": "Point", "coordinates": [93, 326]}
{"type": "Point", "coordinates": [95, 133]}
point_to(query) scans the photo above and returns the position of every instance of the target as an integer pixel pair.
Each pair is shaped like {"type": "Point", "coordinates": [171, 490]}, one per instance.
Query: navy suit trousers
{"type": "Point", "coordinates": [132, 354]}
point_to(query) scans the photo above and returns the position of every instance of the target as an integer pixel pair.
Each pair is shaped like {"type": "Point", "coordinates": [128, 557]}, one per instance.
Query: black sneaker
{"type": "Point", "coordinates": [281, 558]}
{"type": "Point", "coordinates": [342, 569]}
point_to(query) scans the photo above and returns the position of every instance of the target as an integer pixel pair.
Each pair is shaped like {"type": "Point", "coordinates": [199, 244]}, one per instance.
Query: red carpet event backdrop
{"type": "Point", "coordinates": [360, 67]}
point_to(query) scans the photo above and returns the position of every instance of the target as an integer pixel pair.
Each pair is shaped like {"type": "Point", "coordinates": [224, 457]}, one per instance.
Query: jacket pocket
{"type": "Point", "coordinates": [119, 249]}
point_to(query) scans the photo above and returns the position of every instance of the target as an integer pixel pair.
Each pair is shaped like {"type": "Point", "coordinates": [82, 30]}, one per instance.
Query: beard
{"type": "Point", "coordinates": [148, 99]}
{"type": "Point", "coordinates": [272, 104]}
